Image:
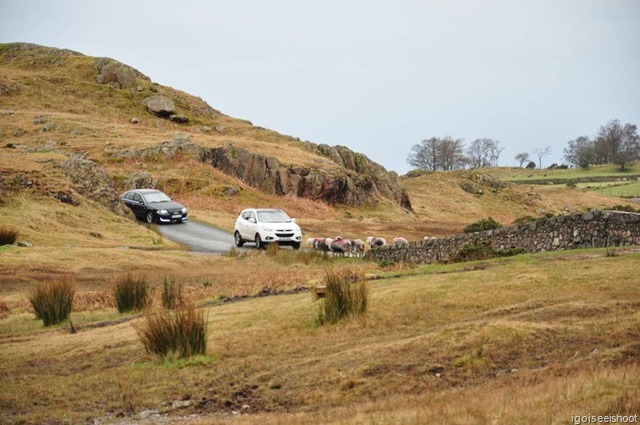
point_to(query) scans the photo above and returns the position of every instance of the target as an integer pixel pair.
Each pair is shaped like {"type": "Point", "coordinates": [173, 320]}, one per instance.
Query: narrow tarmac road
{"type": "Point", "coordinates": [199, 237]}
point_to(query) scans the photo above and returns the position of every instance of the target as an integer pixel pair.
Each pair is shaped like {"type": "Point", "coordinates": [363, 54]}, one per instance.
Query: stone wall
{"type": "Point", "coordinates": [586, 230]}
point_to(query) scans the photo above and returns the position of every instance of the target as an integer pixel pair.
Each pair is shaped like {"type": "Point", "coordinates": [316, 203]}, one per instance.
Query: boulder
{"type": "Point", "coordinates": [160, 105]}
{"type": "Point", "coordinates": [117, 74]}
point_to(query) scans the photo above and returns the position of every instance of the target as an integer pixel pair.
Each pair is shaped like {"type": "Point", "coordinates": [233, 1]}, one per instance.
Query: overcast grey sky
{"type": "Point", "coordinates": [376, 76]}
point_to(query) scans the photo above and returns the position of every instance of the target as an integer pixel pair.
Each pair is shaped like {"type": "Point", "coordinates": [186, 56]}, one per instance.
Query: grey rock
{"type": "Point", "coordinates": [24, 244]}
{"type": "Point", "coordinates": [92, 182]}
{"type": "Point", "coordinates": [135, 120]}
{"type": "Point", "coordinates": [117, 74]}
{"type": "Point", "coordinates": [180, 119]}
{"type": "Point", "coordinates": [140, 180]}
{"type": "Point", "coordinates": [232, 191]}
{"type": "Point", "coordinates": [47, 127]}
{"type": "Point", "coordinates": [19, 133]}
{"type": "Point", "coordinates": [220, 128]}
{"type": "Point", "coordinates": [205, 129]}
{"type": "Point", "coordinates": [149, 413]}
{"type": "Point", "coordinates": [66, 197]}
{"type": "Point", "coordinates": [160, 105]}
{"type": "Point", "coordinates": [39, 119]}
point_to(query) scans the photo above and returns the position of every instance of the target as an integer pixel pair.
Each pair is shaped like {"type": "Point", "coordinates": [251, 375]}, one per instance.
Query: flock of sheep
{"type": "Point", "coordinates": [347, 247]}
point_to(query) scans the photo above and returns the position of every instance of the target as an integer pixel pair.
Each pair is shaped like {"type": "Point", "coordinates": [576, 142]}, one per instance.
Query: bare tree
{"type": "Point", "coordinates": [542, 152]}
{"type": "Point", "coordinates": [522, 158]}
{"type": "Point", "coordinates": [580, 152]}
{"type": "Point", "coordinates": [618, 144]}
{"type": "Point", "coordinates": [438, 154]}
{"type": "Point", "coordinates": [483, 153]}
{"type": "Point", "coordinates": [452, 153]}
{"type": "Point", "coordinates": [424, 155]}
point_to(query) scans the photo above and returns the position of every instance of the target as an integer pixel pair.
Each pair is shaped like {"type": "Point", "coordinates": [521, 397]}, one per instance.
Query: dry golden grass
{"type": "Point", "coordinates": [529, 339]}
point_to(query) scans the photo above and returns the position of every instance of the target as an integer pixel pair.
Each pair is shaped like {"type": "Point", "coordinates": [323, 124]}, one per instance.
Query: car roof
{"type": "Point", "coordinates": [261, 209]}
{"type": "Point", "coordinates": [143, 191]}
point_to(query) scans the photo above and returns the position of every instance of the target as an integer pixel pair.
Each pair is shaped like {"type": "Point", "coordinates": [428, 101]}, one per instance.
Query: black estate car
{"type": "Point", "coordinates": [153, 205]}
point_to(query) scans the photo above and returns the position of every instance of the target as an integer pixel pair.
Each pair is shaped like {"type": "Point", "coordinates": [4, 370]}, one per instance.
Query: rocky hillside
{"type": "Point", "coordinates": [72, 85]}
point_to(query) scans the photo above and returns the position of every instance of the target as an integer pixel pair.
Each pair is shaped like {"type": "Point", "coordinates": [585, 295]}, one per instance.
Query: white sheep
{"type": "Point", "coordinates": [374, 241]}
{"type": "Point", "coordinates": [357, 247]}
{"type": "Point", "coordinates": [340, 245]}
{"type": "Point", "coordinates": [400, 242]}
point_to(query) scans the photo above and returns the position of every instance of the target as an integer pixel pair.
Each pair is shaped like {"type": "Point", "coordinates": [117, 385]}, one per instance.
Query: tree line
{"type": "Point", "coordinates": [449, 153]}
{"type": "Point", "coordinates": [613, 144]}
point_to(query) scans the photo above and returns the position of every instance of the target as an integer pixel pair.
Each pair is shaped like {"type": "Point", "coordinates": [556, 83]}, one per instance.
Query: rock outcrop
{"type": "Point", "coordinates": [121, 76]}
{"type": "Point", "coordinates": [92, 182]}
{"type": "Point", "coordinates": [359, 183]}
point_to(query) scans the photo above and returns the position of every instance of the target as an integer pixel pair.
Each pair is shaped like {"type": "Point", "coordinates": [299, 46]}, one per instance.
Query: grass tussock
{"type": "Point", "coordinates": [181, 333]}
{"type": "Point", "coordinates": [172, 294]}
{"type": "Point", "coordinates": [8, 235]}
{"type": "Point", "coordinates": [131, 293]}
{"type": "Point", "coordinates": [346, 295]}
{"type": "Point", "coordinates": [52, 302]}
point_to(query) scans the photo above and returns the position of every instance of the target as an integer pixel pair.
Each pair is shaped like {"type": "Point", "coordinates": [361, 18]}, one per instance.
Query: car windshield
{"type": "Point", "coordinates": [156, 197]}
{"type": "Point", "coordinates": [273, 217]}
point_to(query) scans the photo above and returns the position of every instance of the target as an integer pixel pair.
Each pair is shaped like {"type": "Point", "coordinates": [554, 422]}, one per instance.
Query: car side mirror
{"type": "Point", "coordinates": [252, 220]}
{"type": "Point", "coordinates": [293, 219]}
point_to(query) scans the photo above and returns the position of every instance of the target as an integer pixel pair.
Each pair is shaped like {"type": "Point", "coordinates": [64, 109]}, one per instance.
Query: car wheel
{"type": "Point", "coordinates": [150, 217]}
{"type": "Point", "coordinates": [296, 245]}
{"type": "Point", "coordinates": [238, 239]}
{"type": "Point", "coordinates": [259, 243]}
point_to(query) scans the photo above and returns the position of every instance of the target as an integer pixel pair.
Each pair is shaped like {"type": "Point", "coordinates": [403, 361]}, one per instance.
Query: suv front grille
{"type": "Point", "coordinates": [284, 235]}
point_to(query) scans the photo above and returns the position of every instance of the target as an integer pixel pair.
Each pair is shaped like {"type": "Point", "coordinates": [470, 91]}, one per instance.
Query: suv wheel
{"type": "Point", "coordinates": [150, 217]}
{"type": "Point", "coordinates": [238, 239]}
{"type": "Point", "coordinates": [259, 243]}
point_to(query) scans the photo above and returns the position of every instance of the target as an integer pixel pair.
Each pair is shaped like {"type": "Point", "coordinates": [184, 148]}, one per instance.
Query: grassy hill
{"type": "Point", "coordinates": [529, 339]}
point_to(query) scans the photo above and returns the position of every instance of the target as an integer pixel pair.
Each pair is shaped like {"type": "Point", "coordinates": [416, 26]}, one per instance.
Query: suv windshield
{"type": "Point", "coordinates": [273, 217]}
{"type": "Point", "coordinates": [156, 197]}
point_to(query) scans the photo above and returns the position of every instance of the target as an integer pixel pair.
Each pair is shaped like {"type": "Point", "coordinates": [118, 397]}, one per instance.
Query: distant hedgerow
{"type": "Point", "coordinates": [52, 302]}
{"type": "Point", "coordinates": [131, 293]}
{"type": "Point", "coordinates": [482, 225]}
{"type": "Point", "coordinates": [180, 333]}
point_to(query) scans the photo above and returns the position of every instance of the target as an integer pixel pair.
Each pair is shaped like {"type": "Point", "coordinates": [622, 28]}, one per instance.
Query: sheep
{"type": "Point", "coordinates": [400, 242]}
{"type": "Point", "coordinates": [375, 241]}
{"type": "Point", "coordinates": [313, 242]}
{"type": "Point", "coordinates": [323, 244]}
{"type": "Point", "coordinates": [357, 247]}
{"type": "Point", "coordinates": [340, 245]}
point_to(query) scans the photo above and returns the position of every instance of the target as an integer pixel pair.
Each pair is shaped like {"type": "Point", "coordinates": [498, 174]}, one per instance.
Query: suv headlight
{"type": "Point", "coordinates": [184, 210]}
{"type": "Point", "coordinates": [163, 212]}
{"type": "Point", "coordinates": [267, 229]}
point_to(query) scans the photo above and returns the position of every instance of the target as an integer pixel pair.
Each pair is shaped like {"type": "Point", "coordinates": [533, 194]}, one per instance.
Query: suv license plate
{"type": "Point", "coordinates": [285, 239]}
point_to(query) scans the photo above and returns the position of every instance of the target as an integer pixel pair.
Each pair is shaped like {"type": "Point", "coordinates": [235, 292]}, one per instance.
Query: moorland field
{"type": "Point", "coordinates": [530, 339]}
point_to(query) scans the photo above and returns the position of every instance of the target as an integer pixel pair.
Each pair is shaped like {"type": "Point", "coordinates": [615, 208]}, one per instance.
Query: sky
{"type": "Point", "coordinates": [375, 76]}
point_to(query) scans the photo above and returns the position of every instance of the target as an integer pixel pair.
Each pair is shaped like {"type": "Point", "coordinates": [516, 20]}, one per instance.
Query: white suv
{"type": "Point", "coordinates": [264, 226]}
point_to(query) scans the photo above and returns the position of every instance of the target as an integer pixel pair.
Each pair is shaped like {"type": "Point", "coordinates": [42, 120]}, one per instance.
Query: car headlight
{"type": "Point", "coordinates": [267, 229]}
{"type": "Point", "coordinates": [163, 212]}
{"type": "Point", "coordinates": [184, 210]}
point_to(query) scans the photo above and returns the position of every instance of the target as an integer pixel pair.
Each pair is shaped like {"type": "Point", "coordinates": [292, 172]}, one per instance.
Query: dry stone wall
{"type": "Point", "coordinates": [586, 230]}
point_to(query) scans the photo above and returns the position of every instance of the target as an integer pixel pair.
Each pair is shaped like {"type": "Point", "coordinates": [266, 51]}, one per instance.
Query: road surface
{"type": "Point", "coordinates": [198, 237]}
